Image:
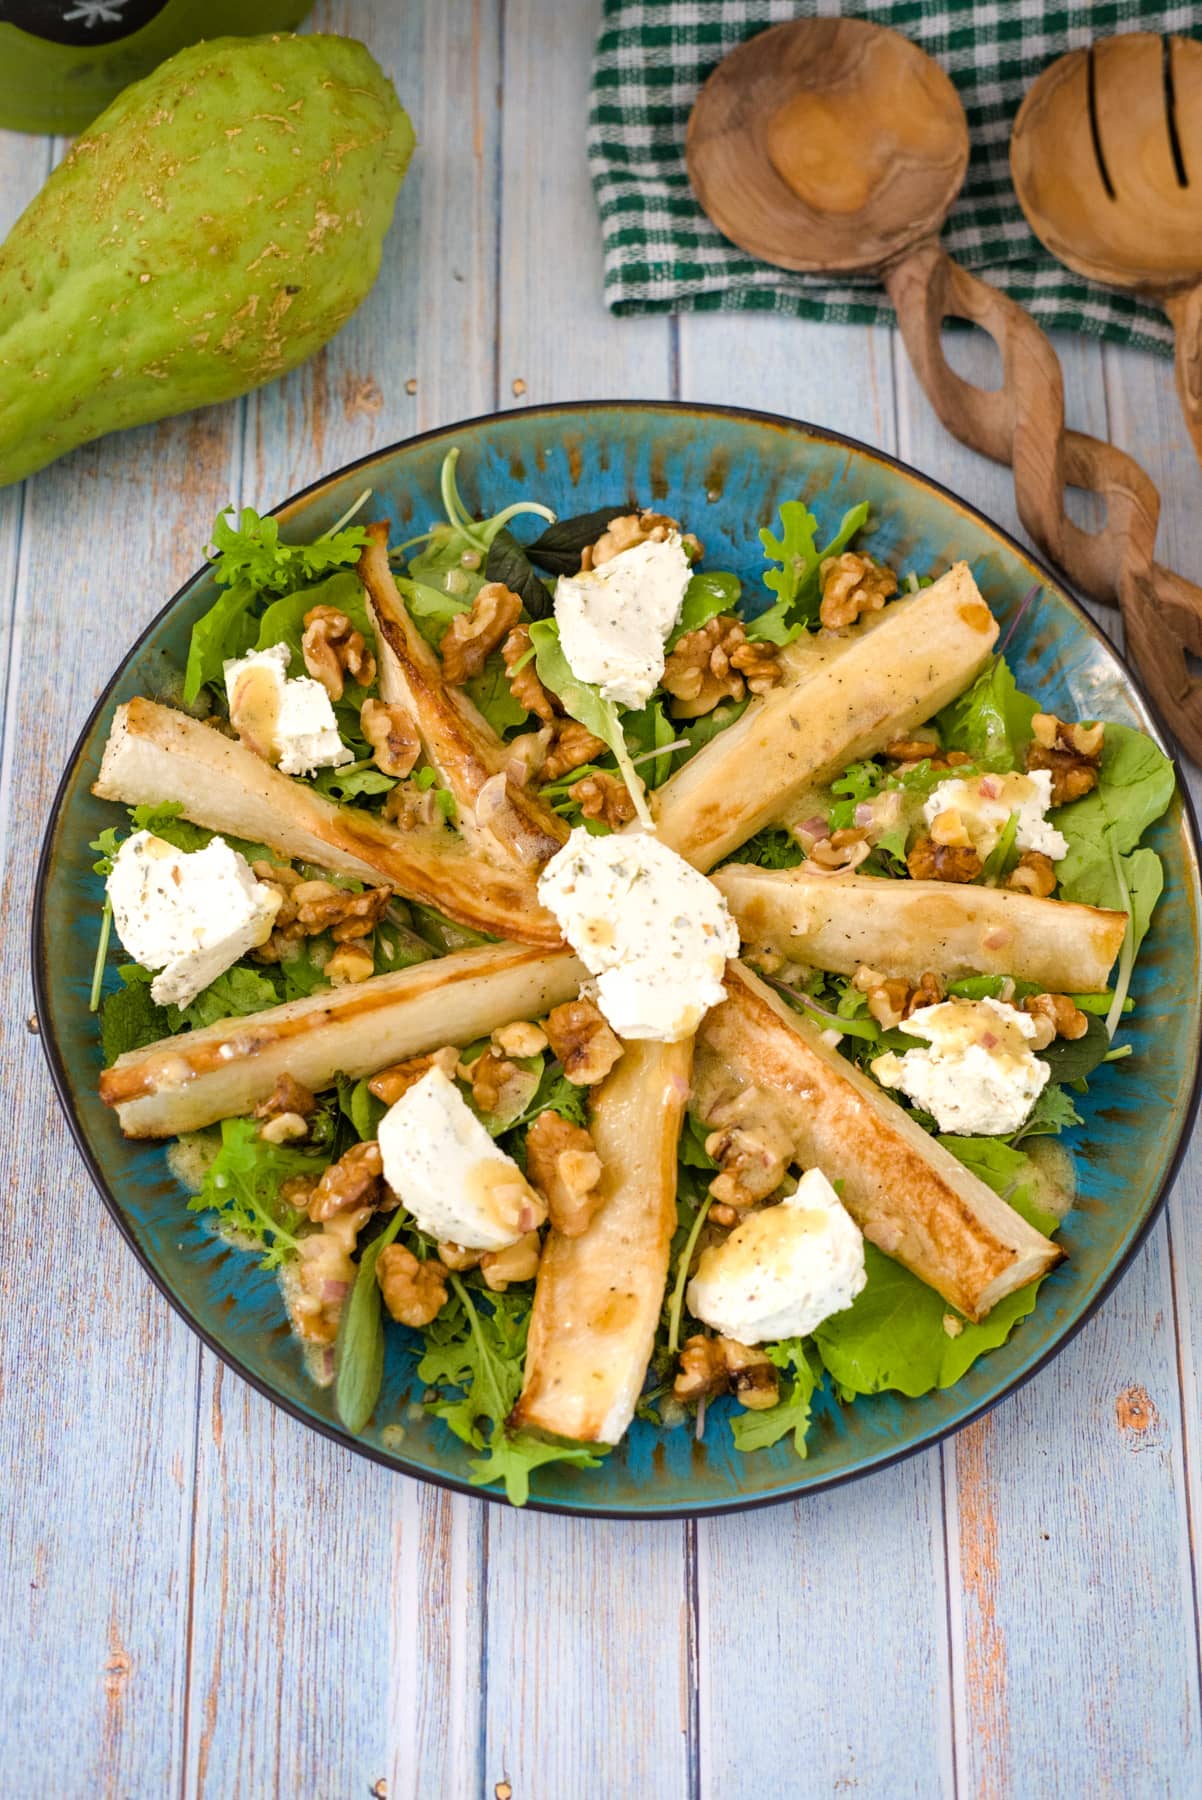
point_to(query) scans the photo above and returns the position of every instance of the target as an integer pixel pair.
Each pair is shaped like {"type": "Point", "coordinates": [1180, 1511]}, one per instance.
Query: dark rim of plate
{"type": "Point", "coordinates": [397, 1462]}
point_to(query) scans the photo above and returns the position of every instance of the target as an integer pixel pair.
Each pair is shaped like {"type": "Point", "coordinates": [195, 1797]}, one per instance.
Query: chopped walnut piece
{"type": "Point", "coordinates": [563, 1165]}
{"type": "Point", "coordinates": [284, 1128]}
{"type": "Point", "coordinates": [889, 1002]}
{"type": "Point", "coordinates": [492, 1076]}
{"type": "Point", "coordinates": [392, 735]}
{"type": "Point", "coordinates": [839, 853]}
{"type": "Point", "coordinates": [414, 1292]}
{"type": "Point", "coordinates": [354, 1180]}
{"type": "Point", "coordinates": [573, 745]}
{"type": "Point", "coordinates": [1066, 1019]}
{"type": "Point", "coordinates": [852, 584]}
{"type": "Point", "coordinates": [604, 796]}
{"type": "Point", "coordinates": [454, 1256]}
{"type": "Point", "coordinates": [324, 1275]}
{"type": "Point", "coordinates": [389, 1084]}
{"type": "Point", "coordinates": [914, 750]}
{"type": "Point", "coordinates": [710, 1366]}
{"type": "Point", "coordinates": [524, 683]}
{"type": "Point", "coordinates": [333, 649]}
{"type": "Point", "coordinates": [702, 1370]}
{"type": "Point", "coordinates": [350, 963]}
{"type": "Point", "coordinates": [287, 1096]}
{"type": "Point", "coordinates": [320, 906]}
{"type": "Point", "coordinates": [517, 1262]}
{"type": "Point", "coordinates": [949, 829]}
{"type": "Point", "coordinates": [520, 1039]}
{"type": "Point", "coordinates": [633, 528]}
{"type": "Point", "coordinates": [1034, 873]}
{"type": "Point", "coordinates": [752, 1146]}
{"type": "Point", "coordinates": [929, 861]}
{"type": "Point", "coordinates": [715, 663]}
{"type": "Point", "coordinates": [1072, 754]}
{"type": "Point", "coordinates": [583, 1042]}
{"type": "Point", "coordinates": [753, 1377]}
{"type": "Point", "coordinates": [471, 637]}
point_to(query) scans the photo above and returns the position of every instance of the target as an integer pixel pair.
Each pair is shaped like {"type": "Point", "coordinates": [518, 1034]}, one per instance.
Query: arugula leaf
{"type": "Point", "coordinates": [455, 558]}
{"type": "Point", "coordinates": [1003, 856]}
{"type": "Point", "coordinates": [707, 596]}
{"type": "Point", "coordinates": [1135, 785]}
{"type": "Point", "coordinates": [130, 1019]}
{"type": "Point", "coordinates": [481, 1351]}
{"type": "Point", "coordinates": [165, 821]}
{"type": "Point", "coordinates": [233, 995]}
{"type": "Point", "coordinates": [225, 632]}
{"type": "Point", "coordinates": [991, 720]}
{"type": "Point", "coordinates": [491, 694]}
{"type": "Point", "coordinates": [430, 609]}
{"type": "Point", "coordinates": [587, 704]}
{"type": "Point", "coordinates": [893, 1335]}
{"type": "Point", "coordinates": [562, 544]}
{"type": "Point", "coordinates": [353, 781]}
{"type": "Point", "coordinates": [771, 848]}
{"type": "Point", "coordinates": [359, 1346]}
{"type": "Point", "coordinates": [796, 582]}
{"type": "Point", "coordinates": [284, 620]}
{"type": "Point", "coordinates": [758, 1430]}
{"type": "Point", "coordinates": [243, 1182]}
{"type": "Point", "coordinates": [357, 1103]}
{"type": "Point", "coordinates": [251, 552]}
{"type": "Point", "coordinates": [508, 562]}
{"type": "Point", "coordinates": [554, 1093]}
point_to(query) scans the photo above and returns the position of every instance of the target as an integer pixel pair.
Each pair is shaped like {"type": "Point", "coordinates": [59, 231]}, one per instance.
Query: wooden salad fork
{"type": "Point", "coordinates": [775, 165]}
{"type": "Point", "coordinates": [1106, 157]}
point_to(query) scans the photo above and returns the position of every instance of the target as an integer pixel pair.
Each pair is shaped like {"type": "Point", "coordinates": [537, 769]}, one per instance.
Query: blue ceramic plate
{"type": "Point", "coordinates": [725, 473]}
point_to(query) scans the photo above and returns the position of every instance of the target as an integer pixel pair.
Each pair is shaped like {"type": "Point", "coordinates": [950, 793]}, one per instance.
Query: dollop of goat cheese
{"type": "Point", "coordinates": [459, 1186]}
{"type": "Point", "coordinates": [979, 1076]}
{"type": "Point", "coordinates": [188, 914]}
{"type": "Point", "coordinates": [654, 931]}
{"type": "Point", "coordinates": [784, 1269]}
{"type": "Point", "coordinates": [613, 620]}
{"type": "Point", "coordinates": [984, 804]}
{"type": "Point", "coordinates": [288, 721]}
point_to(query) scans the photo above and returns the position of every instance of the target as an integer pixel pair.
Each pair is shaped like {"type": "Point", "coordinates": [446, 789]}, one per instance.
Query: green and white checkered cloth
{"type": "Point", "coordinates": [663, 255]}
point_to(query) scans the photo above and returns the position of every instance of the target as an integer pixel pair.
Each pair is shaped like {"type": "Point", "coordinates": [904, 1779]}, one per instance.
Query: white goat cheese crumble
{"type": "Point", "coordinates": [290, 722]}
{"type": "Point", "coordinates": [459, 1186]}
{"type": "Point", "coordinates": [188, 914]}
{"type": "Point", "coordinates": [613, 620]}
{"type": "Point", "coordinates": [985, 802]}
{"type": "Point", "coordinates": [980, 1076]}
{"type": "Point", "coordinates": [784, 1269]}
{"type": "Point", "coordinates": [654, 932]}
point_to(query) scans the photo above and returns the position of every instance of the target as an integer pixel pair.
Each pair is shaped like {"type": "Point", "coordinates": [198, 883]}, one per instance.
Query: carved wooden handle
{"type": "Point", "coordinates": [1022, 423]}
{"type": "Point", "coordinates": [1185, 310]}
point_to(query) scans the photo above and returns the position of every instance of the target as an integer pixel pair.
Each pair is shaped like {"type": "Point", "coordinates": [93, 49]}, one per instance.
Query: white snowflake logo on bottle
{"type": "Point", "coordinates": [95, 12]}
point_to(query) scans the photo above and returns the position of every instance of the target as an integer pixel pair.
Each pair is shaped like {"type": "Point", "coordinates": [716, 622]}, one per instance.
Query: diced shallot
{"type": "Point", "coordinates": [335, 1290]}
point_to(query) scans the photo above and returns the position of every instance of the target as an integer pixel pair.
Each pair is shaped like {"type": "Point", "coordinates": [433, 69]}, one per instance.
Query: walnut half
{"type": "Point", "coordinates": [414, 1292]}
{"type": "Point", "coordinates": [471, 637]}
{"type": "Point", "coordinates": [583, 1042]}
{"type": "Point", "coordinates": [852, 584]}
{"type": "Point", "coordinates": [564, 1166]}
{"type": "Point", "coordinates": [333, 649]}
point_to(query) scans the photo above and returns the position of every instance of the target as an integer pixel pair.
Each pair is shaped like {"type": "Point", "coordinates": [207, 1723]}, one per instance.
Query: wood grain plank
{"type": "Point", "coordinates": [1045, 1642]}
{"type": "Point", "coordinates": [556, 340]}
{"type": "Point", "coordinates": [99, 1375]}
{"type": "Point", "coordinates": [774, 1584]}
{"type": "Point", "coordinates": [282, 1516]}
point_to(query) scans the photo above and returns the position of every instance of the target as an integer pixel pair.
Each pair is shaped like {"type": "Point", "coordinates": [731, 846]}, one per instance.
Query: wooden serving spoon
{"type": "Point", "coordinates": [1107, 163]}
{"type": "Point", "coordinates": [835, 145]}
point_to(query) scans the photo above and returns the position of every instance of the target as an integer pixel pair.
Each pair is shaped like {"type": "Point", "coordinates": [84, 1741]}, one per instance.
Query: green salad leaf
{"type": "Point", "coordinates": [772, 848]}
{"type": "Point", "coordinates": [587, 704]}
{"type": "Point", "coordinates": [564, 542]}
{"type": "Point", "coordinates": [508, 562]}
{"type": "Point", "coordinates": [232, 996]}
{"type": "Point", "coordinates": [129, 1018]}
{"type": "Point", "coordinates": [481, 1350]}
{"type": "Point", "coordinates": [759, 1430]}
{"type": "Point", "coordinates": [359, 1346]}
{"type": "Point", "coordinates": [243, 1182]}
{"type": "Point", "coordinates": [796, 582]}
{"type": "Point", "coordinates": [991, 721]}
{"type": "Point", "coordinates": [1135, 785]}
{"type": "Point", "coordinates": [709, 594]}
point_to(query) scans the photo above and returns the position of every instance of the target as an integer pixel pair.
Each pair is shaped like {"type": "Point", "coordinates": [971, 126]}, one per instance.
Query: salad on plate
{"type": "Point", "coordinates": [648, 994]}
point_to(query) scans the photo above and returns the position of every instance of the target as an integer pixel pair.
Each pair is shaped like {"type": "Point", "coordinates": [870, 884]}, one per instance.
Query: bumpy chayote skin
{"type": "Point", "coordinates": [213, 228]}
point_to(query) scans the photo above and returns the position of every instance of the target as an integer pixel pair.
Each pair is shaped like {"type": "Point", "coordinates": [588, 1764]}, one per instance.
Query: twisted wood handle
{"type": "Point", "coordinates": [1022, 423]}
{"type": "Point", "coordinates": [1185, 310]}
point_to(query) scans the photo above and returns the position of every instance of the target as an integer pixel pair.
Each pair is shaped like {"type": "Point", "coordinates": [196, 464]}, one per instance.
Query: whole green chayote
{"type": "Point", "coordinates": [213, 228]}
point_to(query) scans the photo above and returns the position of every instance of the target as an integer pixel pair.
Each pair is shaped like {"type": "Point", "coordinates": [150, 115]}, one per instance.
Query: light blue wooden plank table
{"type": "Point", "coordinates": [201, 1598]}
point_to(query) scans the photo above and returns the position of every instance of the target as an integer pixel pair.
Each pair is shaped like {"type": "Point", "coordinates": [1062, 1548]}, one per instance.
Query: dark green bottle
{"type": "Point", "coordinates": [62, 61]}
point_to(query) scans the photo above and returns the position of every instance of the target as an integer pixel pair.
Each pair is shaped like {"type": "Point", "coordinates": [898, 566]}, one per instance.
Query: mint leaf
{"type": "Point", "coordinates": [130, 1020]}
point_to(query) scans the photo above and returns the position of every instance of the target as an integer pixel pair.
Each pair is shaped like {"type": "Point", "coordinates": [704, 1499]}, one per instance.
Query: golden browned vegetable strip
{"type": "Point", "coordinates": [599, 1295]}
{"type": "Point", "coordinates": [496, 813]}
{"type": "Point", "coordinates": [908, 1195]}
{"type": "Point", "coordinates": [226, 1069]}
{"type": "Point", "coordinates": [842, 698]}
{"type": "Point", "coordinates": [156, 754]}
{"type": "Point", "coordinates": [907, 927]}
